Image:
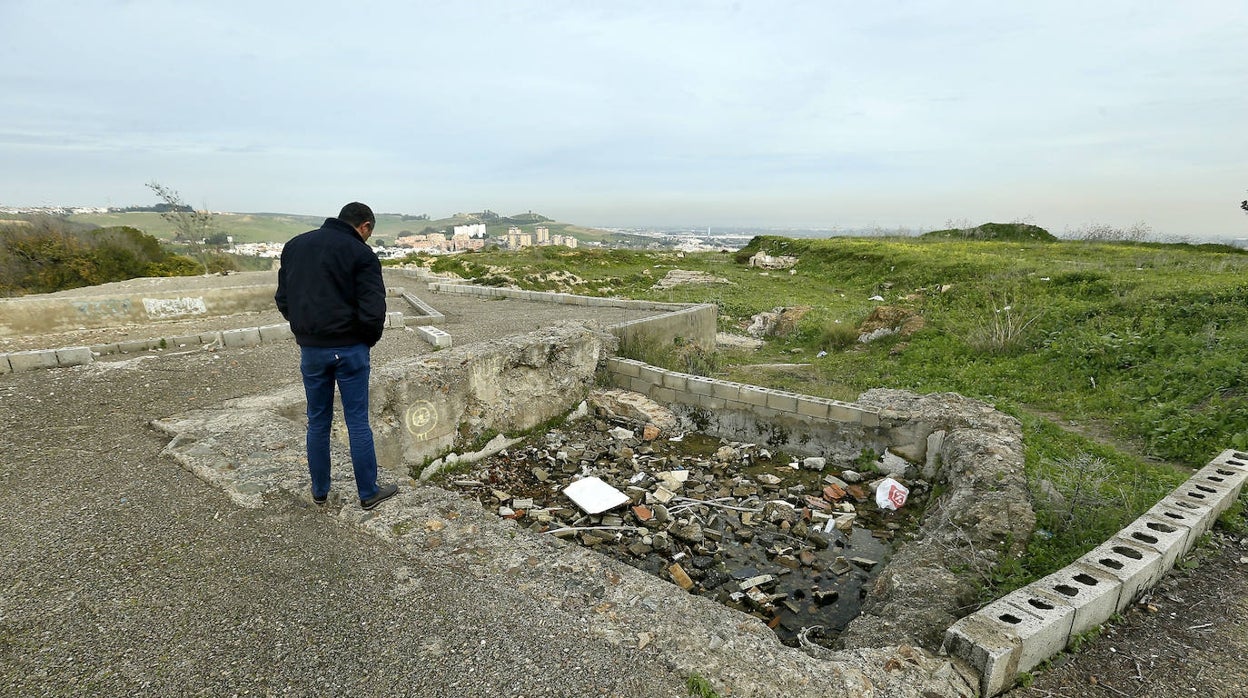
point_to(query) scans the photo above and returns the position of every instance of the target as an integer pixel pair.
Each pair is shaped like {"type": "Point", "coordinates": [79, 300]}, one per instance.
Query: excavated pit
{"type": "Point", "coordinates": [751, 528]}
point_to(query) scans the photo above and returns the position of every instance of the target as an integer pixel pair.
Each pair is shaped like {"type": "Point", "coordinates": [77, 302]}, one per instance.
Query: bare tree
{"type": "Point", "coordinates": [189, 225]}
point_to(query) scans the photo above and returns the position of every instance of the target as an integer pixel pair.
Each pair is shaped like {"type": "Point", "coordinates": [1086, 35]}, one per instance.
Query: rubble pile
{"type": "Point", "coordinates": [789, 540]}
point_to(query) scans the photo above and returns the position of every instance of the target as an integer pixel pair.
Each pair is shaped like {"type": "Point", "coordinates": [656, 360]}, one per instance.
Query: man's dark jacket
{"type": "Point", "coordinates": [329, 287]}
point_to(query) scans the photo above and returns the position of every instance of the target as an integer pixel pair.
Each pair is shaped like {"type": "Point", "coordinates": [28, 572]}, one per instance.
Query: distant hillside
{"type": "Point", "coordinates": [996, 231]}
{"type": "Point", "coordinates": [280, 227]}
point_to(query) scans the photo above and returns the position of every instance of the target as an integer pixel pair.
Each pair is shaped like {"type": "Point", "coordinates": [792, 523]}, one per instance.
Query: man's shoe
{"type": "Point", "coordinates": [383, 493]}
{"type": "Point", "coordinates": [321, 499]}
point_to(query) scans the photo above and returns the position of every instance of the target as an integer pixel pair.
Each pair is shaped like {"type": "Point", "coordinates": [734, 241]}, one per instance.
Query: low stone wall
{"type": "Point", "coordinates": [45, 314]}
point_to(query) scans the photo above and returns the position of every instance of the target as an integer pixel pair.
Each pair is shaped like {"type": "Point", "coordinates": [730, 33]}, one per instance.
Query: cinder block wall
{"type": "Point", "coordinates": [799, 424]}
{"type": "Point", "coordinates": [1017, 632]}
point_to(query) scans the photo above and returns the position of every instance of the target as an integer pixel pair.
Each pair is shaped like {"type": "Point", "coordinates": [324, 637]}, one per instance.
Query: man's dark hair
{"type": "Point", "coordinates": [356, 213]}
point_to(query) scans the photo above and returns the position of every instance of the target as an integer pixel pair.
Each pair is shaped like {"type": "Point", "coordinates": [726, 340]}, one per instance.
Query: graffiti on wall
{"type": "Point", "coordinates": [162, 308]}
{"type": "Point", "coordinates": [105, 307]}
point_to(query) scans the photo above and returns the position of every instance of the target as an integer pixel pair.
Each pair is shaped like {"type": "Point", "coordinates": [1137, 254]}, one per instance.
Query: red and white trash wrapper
{"type": "Point", "coordinates": [891, 494]}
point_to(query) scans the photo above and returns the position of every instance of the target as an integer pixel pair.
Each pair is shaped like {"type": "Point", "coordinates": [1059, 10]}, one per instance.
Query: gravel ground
{"type": "Point", "coordinates": [122, 574]}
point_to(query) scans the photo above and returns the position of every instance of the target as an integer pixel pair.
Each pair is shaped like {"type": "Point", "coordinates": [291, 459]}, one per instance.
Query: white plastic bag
{"type": "Point", "coordinates": [891, 494]}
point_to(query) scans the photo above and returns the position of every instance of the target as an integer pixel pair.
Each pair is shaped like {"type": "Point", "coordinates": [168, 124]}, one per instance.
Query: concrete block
{"type": "Point", "coordinates": [700, 385]}
{"type": "Point", "coordinates": [784, 402]}
{"type": "Point", "coordinates": [1231, 457]}
{"type": "Point", "coordinates": [74, 356]}
{"type": "Point", "coordinates": [726, 391]}
{"type": "Point", "coordinates": [186, 340]}
{"type": "Point", "coordinates": [134, 346]}
{"type": "Point", "coordinates": [1199, 512]}
{"type": "Point", "coordinates": [1040, 622]}
{"type": "Point", "coordinates": [105, 349]}
{"type": "Point", "coordinates": [4, 364]}
{"type": "Point", "coordinates": [752, 395]}
{"type": "Point", "coordinates": [1169, 540]}
{"type": "Point", "coordinates": [275, 333]}
{"type": "Point", "coordinates": [869, 419]}
{"type": "Point", "coordinates": [845, 413]}
{"type": "Point", "coordinates": [676, 381]}
{"type": "Point", "coordinates": [639, 385]}
{"type": "Point", "coordinates": [32, 360]}
{"type": "Point", "coordinates": [1194, 525]}
{"type": "Point", "coordinates": [812, 408]}
{"type": "Point", "coordinates": [652, 375]}
{"type": "Point", "coordinates": [1136, 567]}
{"type": "Point", "coordinates": [625, 367]}
{"type": "Point", "coordinates": [1224, 473]}
{"type": "Point", "coordinates": [1092, 593]}
{"type": "Point", "coordinates": [210, 338]}
{"type": "Point", "coordinates": [394, 319]}
{"type": "Point", "coordinates": [1218, 497]}
{"type": "Point", "coordinates": [434, 336]}
{"type": "Point", "coordinates": [986, 647]}
{"type": "Point", "coordinates": [663, 396]}
{"type": "Point", "coordinates": [246, 337]}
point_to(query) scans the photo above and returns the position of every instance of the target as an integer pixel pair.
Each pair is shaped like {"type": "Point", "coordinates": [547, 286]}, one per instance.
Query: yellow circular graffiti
{"type": "Point", "coordinates": [421, 418]}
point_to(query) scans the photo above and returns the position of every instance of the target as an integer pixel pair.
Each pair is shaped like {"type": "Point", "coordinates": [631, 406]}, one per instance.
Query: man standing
{"type": "Point", "coordinates": [329, 287]}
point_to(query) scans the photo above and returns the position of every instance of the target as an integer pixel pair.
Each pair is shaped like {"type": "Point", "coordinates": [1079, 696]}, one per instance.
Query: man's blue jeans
{"type": "Point", "coordinates": [349, 367]}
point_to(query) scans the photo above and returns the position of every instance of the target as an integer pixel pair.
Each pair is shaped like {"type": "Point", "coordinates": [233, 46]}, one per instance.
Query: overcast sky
{"type": "Point", "coordinates": [614, 112]}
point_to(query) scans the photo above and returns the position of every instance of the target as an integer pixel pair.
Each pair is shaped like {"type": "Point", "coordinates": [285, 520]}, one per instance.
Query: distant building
{"type": "Point", "coordinates": [543, 235]}
{"type": "Point", "coordinates": [476, 230]}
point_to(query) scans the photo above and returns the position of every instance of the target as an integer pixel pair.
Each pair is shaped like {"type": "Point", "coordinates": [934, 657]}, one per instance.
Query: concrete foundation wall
{"type": "Point", "coordinates": [25, 316]}
{"type": "Point", "coordinates": [455, 400]}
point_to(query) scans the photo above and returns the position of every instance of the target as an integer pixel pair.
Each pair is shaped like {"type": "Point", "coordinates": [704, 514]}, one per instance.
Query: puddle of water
{"type": "Point", "coordinates": [788, 566]}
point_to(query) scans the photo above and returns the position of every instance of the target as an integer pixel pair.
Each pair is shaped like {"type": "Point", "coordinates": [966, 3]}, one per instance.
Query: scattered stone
{"type": "Point", "coordinates": [815, 463]}
{"type": "Point", "coordinates": [680, 577]}
{"type": "Point", "coordinates": [893, 464]}
{"type": "Point", "coordinates": [851, 476]}
{"type": "Point", "coordinates": [643, 640]}
{"type": "Point", "coordinates": [687, 532]}
{"type": "Point", "coordinates": [622, 434]}
{"type": "Point", "coordinates": [639, 549]}
{"type": "Point", "coordinates": [824, 597]}
{"type": "Point", "coordinates": [757, 581]}
{"type": "Point", "coordinates": [677, 277]}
